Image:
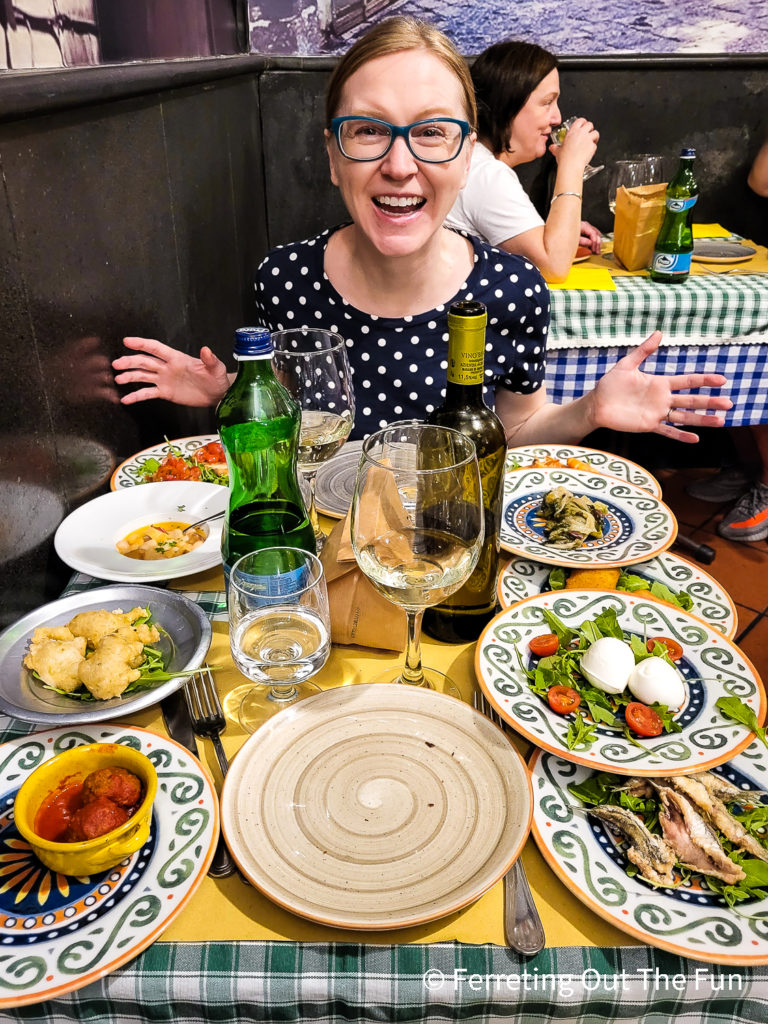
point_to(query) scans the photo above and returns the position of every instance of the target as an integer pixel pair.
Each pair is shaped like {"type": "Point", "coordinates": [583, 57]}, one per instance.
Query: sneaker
{"type": "Point", "coordinates": [726, 485]}
{"type": "Point", "coordinates": [748, 519]}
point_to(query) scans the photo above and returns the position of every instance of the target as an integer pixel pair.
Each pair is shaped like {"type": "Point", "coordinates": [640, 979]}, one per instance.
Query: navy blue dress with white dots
{"type": "Point", "coordinates": [399, 364]}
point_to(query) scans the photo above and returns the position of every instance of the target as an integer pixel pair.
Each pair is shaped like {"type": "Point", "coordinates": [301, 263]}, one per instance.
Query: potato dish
{"type": "Point", "coordinates": [161, 540]}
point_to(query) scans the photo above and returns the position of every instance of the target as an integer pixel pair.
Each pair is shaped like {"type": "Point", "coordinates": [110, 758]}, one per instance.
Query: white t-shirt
{"type": "Point", "coordinates": [493, 204]}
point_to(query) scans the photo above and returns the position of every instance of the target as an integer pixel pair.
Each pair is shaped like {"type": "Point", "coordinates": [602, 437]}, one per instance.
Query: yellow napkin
{"type": "Point", "coordinates": [710, 231]}
{"type": "Point", "coordinates": [587, 278]}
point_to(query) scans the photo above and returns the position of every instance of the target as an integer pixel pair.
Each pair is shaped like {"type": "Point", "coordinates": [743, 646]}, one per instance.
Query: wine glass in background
{"type": "Point", "coordinates": [627, 173]}
{"type": "Point", "coordinates": [279, 628]}
{"type": "Point", "coordinates": [654, 167]}
{"type": "Point", "coordinates": [417, 525]}
{"type": "Point", "coordinates": [312, 365]}
{"type": "Point", "coordinates": [557, 135]}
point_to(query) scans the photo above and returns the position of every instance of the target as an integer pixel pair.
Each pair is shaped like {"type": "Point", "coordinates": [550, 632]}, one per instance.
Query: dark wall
{"type": "Point", "coordinates": [139, 200]}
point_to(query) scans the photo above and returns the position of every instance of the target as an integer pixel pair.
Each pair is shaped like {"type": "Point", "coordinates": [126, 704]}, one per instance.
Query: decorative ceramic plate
{"type": "Point", "coordinates": [335, 480]}
{"type": "Point", "coordinates": [712, 667]}
{"type": "Point", "coordinates": [637, 526]}
{"type": "Point", "coordinates": [59, 933]}
{"type": "Point", "coordinates": [601, 462]}
{"type": "Point", "coordinates": [715, 250]}
{"type": "Point", "coordinates": [87, 538]}
{"type": "Point", "coordinates": [522, 578]}
{"type": "Point", "coordinates": [184, 645]}
{"type": "Point", "coordinates": [690, 920]}
{"type": "Point", "coordinates": [128, 473]}
{"type": "Point", "coordinates": [376, 806]}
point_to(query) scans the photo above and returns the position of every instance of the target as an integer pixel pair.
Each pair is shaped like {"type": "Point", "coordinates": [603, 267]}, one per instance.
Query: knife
{"type": "Point", "coordinates": [179, 726]}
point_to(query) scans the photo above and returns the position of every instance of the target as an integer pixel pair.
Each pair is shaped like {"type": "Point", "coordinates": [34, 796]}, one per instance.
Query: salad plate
{"type": "Point", "coordinates": [521, 578]}
{"type": "Point", "coordinates": [130, 471]}
{"type": "Point", "coordinates": [184, 644]}
{"type": "Point", "coordinates": [376, 806]}
{"type": "Point", "coordinates": [523, 456]}
{"type": "Point", "coordinates": [711, 666]}
{"type": "Point", "coordinates": [637, 525]}
{"type": "Point", "coordinates": [87, 538]}
{"type": "Point", "coordinates": [689, 920]}
{"type": "Point", "coordinates": [335, 481]}
{"type": "Point", "coordinates": [59, 932]}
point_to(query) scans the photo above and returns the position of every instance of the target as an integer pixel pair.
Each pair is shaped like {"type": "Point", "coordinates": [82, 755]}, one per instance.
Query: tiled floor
{"type": "Point", "coordinates": [742, 569]}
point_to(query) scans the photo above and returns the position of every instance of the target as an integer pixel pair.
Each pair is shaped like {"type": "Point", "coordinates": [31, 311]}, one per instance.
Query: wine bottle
{"type": "Point", "coordinates": [259, 424]}
{"type": "Point", "coordinates": [461, 617]}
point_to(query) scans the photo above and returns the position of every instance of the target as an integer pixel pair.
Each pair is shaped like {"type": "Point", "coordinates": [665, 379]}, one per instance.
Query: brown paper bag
{"type": "Point", "coordinates": [639, 213]}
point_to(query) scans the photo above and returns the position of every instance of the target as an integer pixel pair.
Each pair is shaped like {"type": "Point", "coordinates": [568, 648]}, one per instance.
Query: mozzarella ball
{"type": "Point", "coordinates": [607, 664]}
{"type": "Point", "coordinates": [655, 681]}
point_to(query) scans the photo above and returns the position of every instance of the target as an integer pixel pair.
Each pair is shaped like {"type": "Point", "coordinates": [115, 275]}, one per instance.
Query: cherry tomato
{"type": "Point", "coordinates": [545, 645]}
{"type": "Point", "coordinates": [643, 720]}
{"type": "Point", "coordinates": [174, 468]}
{"type": "Point", "coordinates": [674, 650]}
{"type": "Point", "coordinates": [563, 699]}
{"type": "Point", "coordinates": [210, 453]}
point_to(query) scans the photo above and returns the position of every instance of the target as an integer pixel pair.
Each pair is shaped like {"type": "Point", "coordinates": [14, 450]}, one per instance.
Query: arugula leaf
{"type": "Point", "coordinates": [667, 719]}
{"type": "Point", "coordinates": [608, 624]}
{"type": "Point", "coordinates": [563, 633]}
{"type": "Point", "coordinates": [148, 468]}
{"type": "Point", "coordinates": [581, 734]}
{"type": "Point", "coordinates": [557, 578]}
{"type": "Point", "coordinates": [600, 715]}
{"type": "Point", "coordinates": [632, 583]}
{"type": "Point", "coordinates": [597, 789]}
{"type": "Point", "coordinates": [737, 711]}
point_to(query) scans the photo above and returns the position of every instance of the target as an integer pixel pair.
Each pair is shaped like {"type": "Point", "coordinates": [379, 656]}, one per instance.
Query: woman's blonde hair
{"type": "Point", "coordinates": [392, 36]}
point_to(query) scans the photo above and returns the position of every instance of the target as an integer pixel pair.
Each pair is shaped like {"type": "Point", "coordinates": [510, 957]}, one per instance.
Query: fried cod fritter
{"type": "Point", "coordinates": [57, 662]}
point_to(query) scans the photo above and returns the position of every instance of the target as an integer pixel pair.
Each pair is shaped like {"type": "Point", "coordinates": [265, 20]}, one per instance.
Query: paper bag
{"type": "Point", "coordinates": [639, 213]}
{"type": "Point", "coordinates": [359, 613]}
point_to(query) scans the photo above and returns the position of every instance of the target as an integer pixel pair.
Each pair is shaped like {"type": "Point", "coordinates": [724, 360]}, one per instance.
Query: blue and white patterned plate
{"type": "Point", "coordinates": [607, 463]}
{"type": "Point", "coordinates": [712, 667]}
{"type": "Point", "coordinates": [522, 578]}
{"type": "Point", "coordinates": [128, 473]}
{"type": "Point", "coordinates": [689, 920]}
{"type": "Point", "coordinates": [637, 525]}
{"type": "Point", "coordinates": [59, 933]}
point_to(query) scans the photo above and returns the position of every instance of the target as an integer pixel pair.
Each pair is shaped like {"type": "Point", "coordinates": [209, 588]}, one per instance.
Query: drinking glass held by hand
{"type": "Point", "coordinates": [417, 525]}
{"type": "Point", "coordinates": [558, 134]}
{"type": "Point", "coordinates": [312, 365]}
{"type": "Point", "coordinates": [279, 628]}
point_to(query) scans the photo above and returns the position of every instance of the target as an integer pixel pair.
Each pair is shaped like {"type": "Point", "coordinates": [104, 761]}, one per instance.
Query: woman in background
{"type": "Point", "coordinates": [517, 88]}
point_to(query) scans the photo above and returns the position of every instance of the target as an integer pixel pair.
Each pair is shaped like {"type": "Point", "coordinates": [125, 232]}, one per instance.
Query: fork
{"type": "Point", "coordinates": [522, 925]}
{"type": "Point", "coordinates": [208, 720]}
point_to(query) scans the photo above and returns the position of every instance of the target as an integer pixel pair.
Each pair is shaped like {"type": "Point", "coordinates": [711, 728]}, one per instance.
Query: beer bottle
{"type": "Point", "coordinates": [259, 425]}
{"type": "Point", "coordinates": [674, 245]}
{"type": "Point", "coordinates": [462, 616]}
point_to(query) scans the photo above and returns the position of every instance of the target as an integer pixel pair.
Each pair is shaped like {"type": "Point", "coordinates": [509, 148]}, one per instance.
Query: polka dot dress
{"type": "Point", "coordinates": [399, 365]}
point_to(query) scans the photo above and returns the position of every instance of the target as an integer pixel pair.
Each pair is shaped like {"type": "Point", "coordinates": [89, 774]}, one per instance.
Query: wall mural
{"type": "Point", "coordinates": [568, 27]}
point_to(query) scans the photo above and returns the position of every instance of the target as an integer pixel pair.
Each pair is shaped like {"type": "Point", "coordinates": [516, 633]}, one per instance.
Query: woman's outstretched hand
{"type": "Point", "coordinates": [170, 374]}
{"type": "Point", "coordinates": [628, 399]}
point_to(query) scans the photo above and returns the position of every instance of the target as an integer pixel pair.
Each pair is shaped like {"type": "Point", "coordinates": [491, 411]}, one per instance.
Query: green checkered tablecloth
{"type": "Point", "coordinates": [704, 310]}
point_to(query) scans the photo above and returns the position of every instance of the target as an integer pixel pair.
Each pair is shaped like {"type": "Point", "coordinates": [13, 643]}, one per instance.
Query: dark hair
{"type": "Point", "coordinates": [393, 35]}
{"type": "Point", "coordinates": [504, 76]}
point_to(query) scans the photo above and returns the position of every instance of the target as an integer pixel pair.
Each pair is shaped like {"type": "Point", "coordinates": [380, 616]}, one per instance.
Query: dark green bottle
{"type": "Point", "coordinates": [674, 245]}
{"type": "Point", "coordinates": [259, 425]}
{"type": "Point", "coordinates": [462, 616]}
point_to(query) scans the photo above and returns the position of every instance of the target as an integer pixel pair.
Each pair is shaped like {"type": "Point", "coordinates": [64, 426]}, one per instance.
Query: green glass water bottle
{"type": "Point", "coordinates": [462, 616]}
{"type": "Point", "coordinates": [674, 245]}
{"type": "Point", "coordinates": [259, 425]}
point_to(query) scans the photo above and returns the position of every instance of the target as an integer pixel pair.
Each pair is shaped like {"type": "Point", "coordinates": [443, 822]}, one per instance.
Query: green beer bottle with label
{"type": "Point", "coordinates": [674, 245]}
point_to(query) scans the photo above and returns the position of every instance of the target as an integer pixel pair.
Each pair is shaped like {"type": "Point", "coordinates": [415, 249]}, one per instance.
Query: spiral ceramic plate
{"type": "Point", "coordinates": [712, 667]}
{"type": "Point", "coordinates": [689, 920]}
{"type": "Point", "coordinates": [184, 644]}
{"type": "Point", "coordinates": [128, 472]}
{"type": "Point", "coordinates": [376, 806]}
{"type": "Point", "coordinates": [335, 481]}
{"type": "Point", "coordinates": [87, 538]}
{"type": "Point", "coordinates": [637, 526]}
{"type": "Point", "coordinates": [715, 250]}
{"type": "Point", "coordinates": [601, 462]}
{"type": "Point", "coordinates": [58, 932]}
{"type": "Point", "coordinates": [522, 578]}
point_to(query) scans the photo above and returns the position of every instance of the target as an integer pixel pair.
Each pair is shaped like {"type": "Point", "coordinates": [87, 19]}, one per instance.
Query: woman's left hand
{"type": "Point", "coordinates": [590, 236]}
{"type": "Point", "coordinates": [628, 399]}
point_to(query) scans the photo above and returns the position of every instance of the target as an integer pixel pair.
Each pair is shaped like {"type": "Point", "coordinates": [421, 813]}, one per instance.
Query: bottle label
{"type": "Point", "coordinates": [680, 205]}
{"type": "Point", "coordinates": [671, 263]}
{"type": "Point", "coordinates": [466, 357]}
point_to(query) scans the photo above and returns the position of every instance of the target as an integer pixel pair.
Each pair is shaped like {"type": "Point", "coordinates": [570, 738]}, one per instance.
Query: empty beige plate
{"type": "Point", "coordinates": [376, 806]}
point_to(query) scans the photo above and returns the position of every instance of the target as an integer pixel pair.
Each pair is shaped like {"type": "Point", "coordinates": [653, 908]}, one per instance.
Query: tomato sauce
{"type": "Point", "coordinates": [56, 811]}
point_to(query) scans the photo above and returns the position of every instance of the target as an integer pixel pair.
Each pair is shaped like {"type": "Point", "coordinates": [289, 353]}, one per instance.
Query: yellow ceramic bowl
{"type": "Point", "coordinates": [92, 855]}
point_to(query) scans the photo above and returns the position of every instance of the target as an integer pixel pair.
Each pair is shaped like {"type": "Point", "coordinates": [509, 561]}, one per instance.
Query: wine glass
{"type": "Point", "coordinates": [279, 628]}
{"type": "Point", "coordinates": [312, 365]}
{"type": "Point", "coordinates": [630, 174]}
{"type": "Point", "coordinates": [417, 525]}
{"type": "Point", "coordinates": [557, 135]}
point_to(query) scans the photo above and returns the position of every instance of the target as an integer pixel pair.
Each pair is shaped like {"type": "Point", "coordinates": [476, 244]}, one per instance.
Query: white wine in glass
{"type": "Point", "coordinates": [557, 135]}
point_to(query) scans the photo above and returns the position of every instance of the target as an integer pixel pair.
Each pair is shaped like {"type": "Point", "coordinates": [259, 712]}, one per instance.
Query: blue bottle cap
{"type": "Point", "coordinates": [253, 341]}
{"type": "Point", "coordinates": [687, 152]}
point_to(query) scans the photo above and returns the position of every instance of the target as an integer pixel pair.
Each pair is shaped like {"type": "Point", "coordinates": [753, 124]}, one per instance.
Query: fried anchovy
{"type": "Point", "coordinates": [636, 787]}
{"type": "Point", "coordinates": [716, 813]}
{"type": "Point", "coordinates": [651, 854]}
{"type": "Point", "coordinates": [724, 790]}
{"type": "Point", "coordinates": [693, 840]}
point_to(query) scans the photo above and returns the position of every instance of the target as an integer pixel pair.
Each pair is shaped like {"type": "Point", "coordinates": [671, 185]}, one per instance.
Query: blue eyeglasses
{"type": "Point", "coordinates": [436, 140]}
